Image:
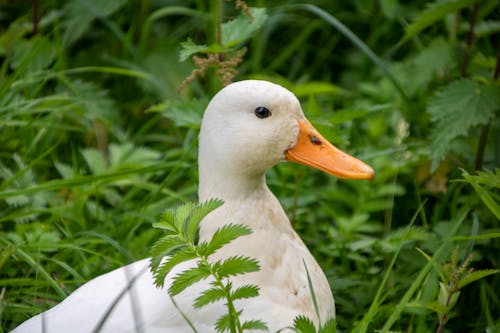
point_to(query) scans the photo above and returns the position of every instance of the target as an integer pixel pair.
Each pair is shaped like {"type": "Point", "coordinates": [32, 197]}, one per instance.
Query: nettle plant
{"type": "Point", "coordinates": [180, 244]}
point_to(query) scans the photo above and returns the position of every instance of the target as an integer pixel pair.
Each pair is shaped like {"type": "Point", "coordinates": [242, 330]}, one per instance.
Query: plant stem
{"type": "Point", "coordinates": [36, 16]}
{"type": "Point", "coordinates": [218, 26]}
{"type": "Point", "coordinates": [470, 40]}
{"type": "Point", "coordinates": [483, 138]}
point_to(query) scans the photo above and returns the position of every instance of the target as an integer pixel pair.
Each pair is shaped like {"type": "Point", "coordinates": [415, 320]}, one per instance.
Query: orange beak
{"type": "Point", "coordinates": [314, 150]}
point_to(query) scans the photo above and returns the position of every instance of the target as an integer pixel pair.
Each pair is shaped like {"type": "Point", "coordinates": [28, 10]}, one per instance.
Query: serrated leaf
{"type": "Point", "coordinates": [304, 325]}
{"type": "Point", "coordinates": [223, 324]}
{"type": "Point", "coordinates": [182, 214]}
{"type": "Point", "coordinates": [189, 48]}
{"type": "Point", "coordinates": [188, 278]}
{"type": "Point", "coordinates": [236, 265]}
{"type": "Point", "coordinates": [476, 275]}
{"type": "Point", "coordinates": [254, 325]}
{"type": "Point", "coordinates": [455, 109]}
{"type": "Point", "coordinates": [166, 220]}
{"type": "Point", "coordinates": [209, 296]}
{"type": "Point", "coordinates": [246, 291]}
{"type": "Point", "coordinates": [432, 13]}
{"type": "Point", "coordinates": [198, 213]}
{"type": "Point", "coordinates": [241, 28]}
{"type": "Point", "coordinates": [329, 327]}
{"type": "Point", "coordinates": [178, 257]}
{"type": "Point", "coordinates": [225, 235]}
{"type": "Point", "coordinates": [165, 246]}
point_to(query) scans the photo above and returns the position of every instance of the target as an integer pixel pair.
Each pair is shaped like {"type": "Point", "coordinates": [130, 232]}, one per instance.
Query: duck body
{"type": "Point", "coordinates": [247, 128]}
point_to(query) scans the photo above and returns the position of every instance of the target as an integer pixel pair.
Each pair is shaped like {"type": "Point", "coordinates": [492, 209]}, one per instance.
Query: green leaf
{"type": "Point", "coordinates": [254, 325]}
{"type": "Point", "coordinates": [187, 278]}
{"type": "Point", "coordinates": [198, 213]}
{"type": "Point", "coordinates": [488, 178]}
{"type": "Point", "coordinates": [209, 296]}
{"type": "Point", "coordinates": [434, 12]}
{"type": "Point", "coordinates": [223, 324]}
{"type": "Point", "coordinates": [236, 265]}
{"type": "Point", "coordinates": [304, 325]}
{"type": "Point", "coordinates": [329, 327]}
{"type": "Point", "coordinates": [182, 214]}
{"type": "Point", "coordinates": [225, 235]}
{"type": "Point", "coordinates": [189, 48]}
{"type": "Point", "coordinates": [241, 28]}
{"type": "Point", "coordinates": [246, 291]}
{"type": "Point", "coordinates": [455, 109]}
{"type": "Point", "coordinates": [178, 257]}
{"type": "Point", "coordinates": [476, 275]}
{"type": "Point", "coordinates": [164, 247]}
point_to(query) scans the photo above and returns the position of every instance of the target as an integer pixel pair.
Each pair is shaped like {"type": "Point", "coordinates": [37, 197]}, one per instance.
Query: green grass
{"type": "Point", "coordinates": [96, 142]}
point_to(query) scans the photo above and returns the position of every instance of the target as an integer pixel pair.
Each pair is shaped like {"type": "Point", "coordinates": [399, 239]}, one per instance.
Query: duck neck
{"type": "Point", "coordinates": [229, 185]}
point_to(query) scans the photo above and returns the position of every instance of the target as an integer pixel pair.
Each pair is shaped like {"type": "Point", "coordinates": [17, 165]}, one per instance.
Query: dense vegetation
{"type": "Point", "coordinates": [96, 141]}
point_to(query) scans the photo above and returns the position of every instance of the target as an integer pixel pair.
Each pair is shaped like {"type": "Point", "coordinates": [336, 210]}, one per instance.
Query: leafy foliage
{"type": "Point", "coordinates": [458, 107]}
{"type": "Point", "coordinates": [96, 141]}
{"type": "Point", "coordinates": [179, 244]}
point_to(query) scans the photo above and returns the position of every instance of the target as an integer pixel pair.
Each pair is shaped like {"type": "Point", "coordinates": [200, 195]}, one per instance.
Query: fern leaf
{"type": "Point", "coordinates": [225, 235]}
{"type": "Point", "coordinates": [165, 246]}
{"type": "Point", "coordinates": [246, 291]}
{"type": "Point", "coordinates": [209, 296]}
{"type": "Point", "coordinates": [178, 257]}
{"type": "Point", "coordinates": [457, 107]}
{"type": "Point", "coordinates": [254, 325]}
{"type": "Point", "coordinates": [302, 324]}
{"type": "Point", "coordinates": [166, 221]}
{"type": "Point", "coordinates": [434, 12]}
{"type": "Point", "coordinates": [198, 213]}
{"type": "Point", "coordinates": [187, 278]}
{"type": "Point", "coordinates": [182, 214]}
{"type": "Point", "coordinates": [236, 265]}
{"type": "Point", "coordinates": [476, 275]}
{"type": "Point", "coordinates": [223, 324]}
{"type": "Point", "coordinates": [329, 327]}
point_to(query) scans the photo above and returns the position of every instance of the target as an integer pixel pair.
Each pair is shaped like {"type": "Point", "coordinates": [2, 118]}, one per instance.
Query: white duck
{"type": "Point", "coordinates": [248, 127]}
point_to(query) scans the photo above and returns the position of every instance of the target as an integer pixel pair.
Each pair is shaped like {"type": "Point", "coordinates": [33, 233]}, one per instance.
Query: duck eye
{"type": "Point", "coordinates": [262, 112]}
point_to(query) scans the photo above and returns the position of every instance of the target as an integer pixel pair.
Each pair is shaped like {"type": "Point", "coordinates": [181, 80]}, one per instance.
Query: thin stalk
{"type": "Point", "coordinates": [483, 138]}
{"type": "Point", "coordinates": [218, 26]}
{"type": "Point", "coordinates": [470, 40]}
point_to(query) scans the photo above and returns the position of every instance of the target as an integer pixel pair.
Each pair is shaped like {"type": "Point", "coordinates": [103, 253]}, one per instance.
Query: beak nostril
{"type": "Point", "coordinates": [315, 140]}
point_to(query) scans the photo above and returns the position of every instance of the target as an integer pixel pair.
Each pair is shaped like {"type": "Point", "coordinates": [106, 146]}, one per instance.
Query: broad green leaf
{"type": "Point", "coordinates": [254, 325]}
{"type": "Point", "coordinates": [183, 113]}
{"type": "Point", "coordinates": [225, 235]}
{"type": "Point", "coordinates": [188, 278]}
{"type": "Point", "coordinates": [476, 275]}
{"type": "Point", "coordinates": [198, 213]}
{"type": "Point", "coordinates": [434, 12]}
{"type": "Point", "coordinates": [241, 28]}
{"type": "Point", "coordinates": [304, 325]}
{"type": "Point", "coordinates": [80, 14]}
{"type": "Point", "coordinates": [236, 265]}
{"type": "Point", "coordinates": [455, 109]}
{"type": "Point", "coordinates": [246, 291]}
{"type": "Point", "coordinates": [209, 296]}
{"type": "Point", "coordinates": [313, 88]}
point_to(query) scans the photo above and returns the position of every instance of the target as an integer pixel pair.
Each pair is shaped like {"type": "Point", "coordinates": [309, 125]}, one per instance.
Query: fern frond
{"type": "Point", "coordinates": [258, 325]}
{"type": "Point", "coordinates": [225, 235]}
{"type": "Point", "coordinates": [236, 265]}
{"type": "Point", "coordinates": [208, 296]}
{"type": "Point", "coordinates": [198, 213]}
{"type": "Point", "coordinates": [187, 278]}
{"type": "Point", "coordinates": [178, 257]}
{"type": "Point", "coordinates": [303, 324]}
{"type": "Point", "coordinates": [246, 291]}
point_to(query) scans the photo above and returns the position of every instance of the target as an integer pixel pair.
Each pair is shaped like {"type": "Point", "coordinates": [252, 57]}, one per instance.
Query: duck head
{"type": "Point", "coordinates": [251, 125]}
